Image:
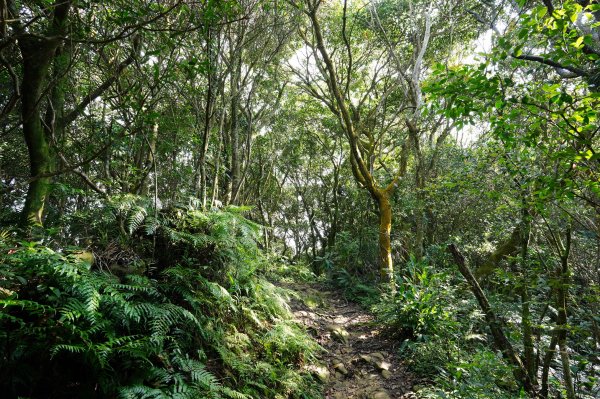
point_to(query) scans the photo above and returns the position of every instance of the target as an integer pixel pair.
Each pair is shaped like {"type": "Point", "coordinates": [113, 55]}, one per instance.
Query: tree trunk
{"type": "Point", "coordinates": [217, 169]}
{"type": "Point", "coordinates": [37, 56]}
{"type": "Point", "coordinates": [528, 345]}
{"type": "Point", "coordinates": [360, 170]}
{"type": "Point", "coordinates": [234, 133]}
{"type": "Point", "coordinates": [201, 184]}
{"type": "Point", "coordinates": [546, 364]}
{"type": "Point", "coordinates": [386, 267]}
{"type": "Point", "coordinates": [506, 248]}
{"type": "Point", "coordinates": [419, 233]}
{"type": "Point", "coordinates": [333, 229]}
{"type": "Point", "coordinates": [150, 162]}
{"type": "Point", "coordinates": [38, 53]}
{"type": "Point", "coordinates": [561, 299]}
{"type": "Point", "coordinates": [208, 113]}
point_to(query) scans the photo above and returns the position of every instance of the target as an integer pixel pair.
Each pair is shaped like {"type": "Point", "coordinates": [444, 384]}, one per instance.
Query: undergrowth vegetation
{"type": "Point", "coordinates": [445, 336]}
{"type": "Point", "coordinates": [443, 333]}
{"type": "Point", "coordinates": [174, 309]}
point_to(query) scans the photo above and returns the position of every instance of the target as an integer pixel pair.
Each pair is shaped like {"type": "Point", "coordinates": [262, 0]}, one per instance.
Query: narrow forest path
{"type": "Point", "coordinates": [359, 361]}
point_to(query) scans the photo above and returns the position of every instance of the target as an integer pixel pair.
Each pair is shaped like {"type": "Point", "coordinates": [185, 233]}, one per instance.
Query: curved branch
{"type": "Point", "coordinates": [578, 71]}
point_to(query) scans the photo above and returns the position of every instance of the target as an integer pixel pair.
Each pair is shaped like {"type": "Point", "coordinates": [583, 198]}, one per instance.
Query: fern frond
{"type": "Point", "coordinates": [32, 307]}
{"type": "Point", "coordinates": [136, 218]}
{"type": "Point", "coordinates": [67, 348]}
{"type": "Point", "coordinates": [141, 392]}
{"type": "Point", "coordinates": [230, 393]}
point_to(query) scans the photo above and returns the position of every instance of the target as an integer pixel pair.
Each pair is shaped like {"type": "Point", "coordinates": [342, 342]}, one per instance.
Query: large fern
{"type": "Point", "coordinates": [200, 324]}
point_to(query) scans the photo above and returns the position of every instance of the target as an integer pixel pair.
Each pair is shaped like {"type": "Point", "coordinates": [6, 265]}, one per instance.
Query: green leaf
{"type": "Point", "coordinates": [518, 51]}
{"type": "Point", "coordinates": [541, 11]}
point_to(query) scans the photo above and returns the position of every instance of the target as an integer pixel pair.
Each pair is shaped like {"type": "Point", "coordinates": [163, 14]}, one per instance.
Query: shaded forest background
{"type": "Point", "coordinates": [161, 161]}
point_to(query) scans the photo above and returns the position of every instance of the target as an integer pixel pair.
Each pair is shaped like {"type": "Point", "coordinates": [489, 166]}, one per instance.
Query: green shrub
{"type": "Point", "coordinates": [480, 374]}
{"type": "Point", "coordinates": [444, 335]}
{"type": "Point", "coordinates": [353, 287]}
{"type": "Point", "coordinates": [418, 308]}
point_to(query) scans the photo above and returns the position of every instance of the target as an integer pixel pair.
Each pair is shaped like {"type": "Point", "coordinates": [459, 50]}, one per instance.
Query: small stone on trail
{"type": "Point", "coordinates": [320, 372]}
{"type": "Point", "coordinates": [339, 334]}
{"type": "Point", "coordinates": [366, 358]}
{"type": "Point", "coordinates": [376, 359]}
{"type": "Point", "coordinates": [380, 395]}
{"type": "Point", "coordinates": [382, 364]}
{"type": "Point", "coordinates": [339, 366]}
{"type": "Point", "coordinates": [386, 374]}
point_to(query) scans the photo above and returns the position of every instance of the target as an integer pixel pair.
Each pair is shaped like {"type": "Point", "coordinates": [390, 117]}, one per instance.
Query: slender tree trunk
{"type": "Point", "coordinates": [546, 364]}
{"type": "Point", "coordinates": [150, 162]}
{"type": "Point", "coordinates": [430, 226]}
{"type": "Point", "coordinates": [234, 134]}
{"type": "Point", "coordinates": [419, 211]}
{"type": "Point", "coordinates": [528, 345]}
{"type": "Point", "coordinates": [236, 53]}
{"type": "Point", "coordinates": [208, 113]}
{"type": "Point", "coordinates": [562, 297]}
{"type": "Point", "coordinates": [215, 185]}
{"type": "Point", "coordinates": [333, 229]}
{"type": "Point", "coordinates": [419, 233]}
{"type": "Point", "coordinates": [386, 268]}
{"type": "Point", "coordinates": [204, 149]}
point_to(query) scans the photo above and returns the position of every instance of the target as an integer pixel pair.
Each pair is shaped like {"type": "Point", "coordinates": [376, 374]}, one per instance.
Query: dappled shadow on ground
{"type": "Point", "coordinates": [359, 361]}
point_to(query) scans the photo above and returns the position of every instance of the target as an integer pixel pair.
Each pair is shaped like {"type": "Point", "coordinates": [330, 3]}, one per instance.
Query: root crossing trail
{"type": "Point", "coordinates": [359, 362]}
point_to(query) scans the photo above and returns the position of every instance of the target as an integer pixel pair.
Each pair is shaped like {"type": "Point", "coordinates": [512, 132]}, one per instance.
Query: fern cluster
{"type": "Point", "coordinates": [200, 323]}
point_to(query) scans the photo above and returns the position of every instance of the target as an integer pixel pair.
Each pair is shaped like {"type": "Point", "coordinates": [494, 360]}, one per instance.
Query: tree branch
{"type": "Point", "coordinates": [74, 114]}
{"type": "Point", "coordinates": [578, 71]}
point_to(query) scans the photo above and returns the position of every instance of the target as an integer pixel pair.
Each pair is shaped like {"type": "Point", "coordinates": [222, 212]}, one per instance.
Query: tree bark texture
{"type": "Point", "coordinates": [562, 319]}
{"type": "Point", "coordinates": [386, 267]}
{"type": "Point", "coordinates": [38, 52]}
{"type": "Point", "coordinates": [528, 345]}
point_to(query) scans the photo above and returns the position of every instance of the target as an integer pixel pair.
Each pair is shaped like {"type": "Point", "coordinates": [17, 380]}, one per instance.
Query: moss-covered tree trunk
{"type": "Point", "coordinates": [562, 293]}
{"type": "Point", "coordinates": [360, 169]}
{"type": "Point", "coordinates": [38, 52]}
{"type": "Point", "coordinates": [37, 57]}
{"type": "Point", "coordinates": [386, 268]}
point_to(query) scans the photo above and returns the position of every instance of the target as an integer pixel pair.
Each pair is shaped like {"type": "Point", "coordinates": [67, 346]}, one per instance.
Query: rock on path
{"type": "Point", "coordinates": [359, 362]}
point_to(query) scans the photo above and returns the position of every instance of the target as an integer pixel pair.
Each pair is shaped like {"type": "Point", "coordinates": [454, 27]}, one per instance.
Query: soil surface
{"type": "Point", "coordinates": [359, 361]}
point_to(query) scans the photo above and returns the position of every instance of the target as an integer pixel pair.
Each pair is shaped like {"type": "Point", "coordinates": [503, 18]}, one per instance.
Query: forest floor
{"type": "Point", "coordinates": [359, 361]}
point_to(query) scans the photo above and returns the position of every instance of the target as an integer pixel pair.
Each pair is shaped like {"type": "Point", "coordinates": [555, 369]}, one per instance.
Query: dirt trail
{"type": "Point", "coordinates": [359, 363]}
